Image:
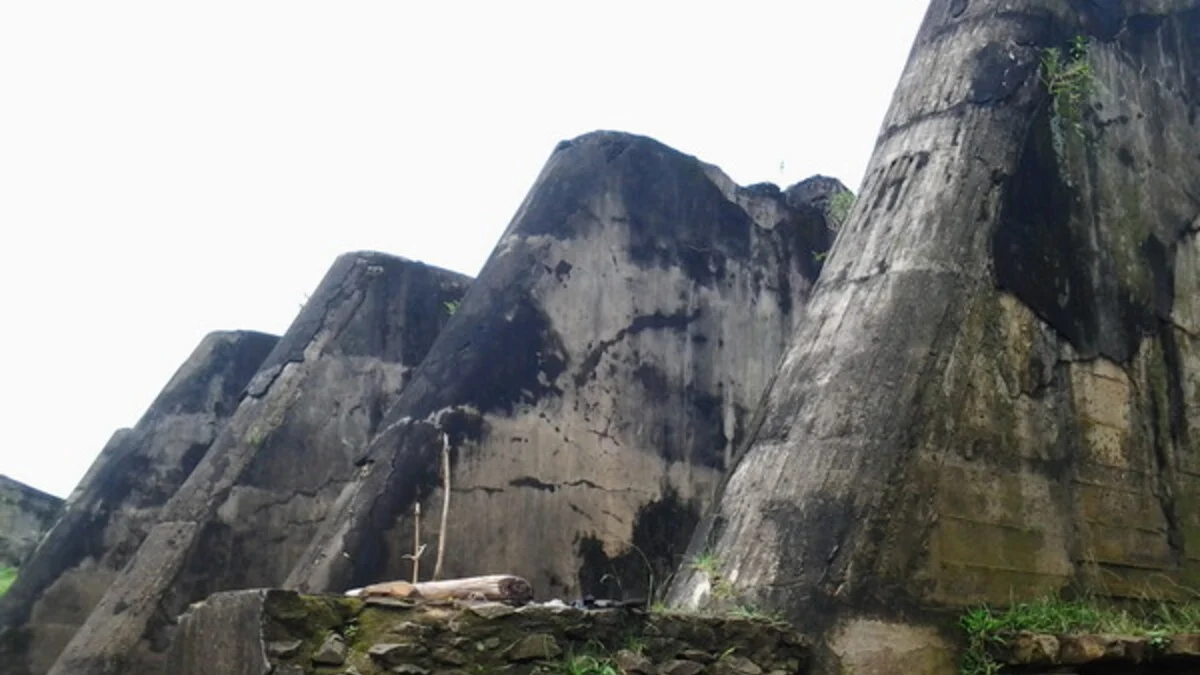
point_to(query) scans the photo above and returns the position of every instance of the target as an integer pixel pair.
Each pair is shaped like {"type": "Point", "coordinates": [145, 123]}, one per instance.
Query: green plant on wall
{"type": "Point", "coordinates": [1069, 80]}
{"type": "Point", "coordinates": [710, 566]}
{"type": "Point", "coordinates": [451, 306]}
{"type": "Point", "coordinates": [839, 208]}
{"type": "Point", "coordinates": [7, 576]}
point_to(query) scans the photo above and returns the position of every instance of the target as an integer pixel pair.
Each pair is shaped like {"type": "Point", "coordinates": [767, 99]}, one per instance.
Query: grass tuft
{"type": "Point", "coordinates": [987, 626]}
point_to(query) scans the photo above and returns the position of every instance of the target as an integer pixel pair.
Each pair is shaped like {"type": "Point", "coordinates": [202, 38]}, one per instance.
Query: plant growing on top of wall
{"type": "Point", "coordinates": [839, 208]}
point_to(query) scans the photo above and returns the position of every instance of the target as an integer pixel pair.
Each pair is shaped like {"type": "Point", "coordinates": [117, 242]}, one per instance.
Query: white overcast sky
{"type": "Point", "coordinates": [171, 168]}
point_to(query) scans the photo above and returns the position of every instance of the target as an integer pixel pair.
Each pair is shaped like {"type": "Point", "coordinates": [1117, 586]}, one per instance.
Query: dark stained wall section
{"type": "Point", "coordinates": [595, 383]}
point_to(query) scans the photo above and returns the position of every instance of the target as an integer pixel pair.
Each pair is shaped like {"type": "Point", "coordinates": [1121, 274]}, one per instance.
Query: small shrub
{"type": "Point", "coordinates": [451, 306]}
{"type": "Point", "coordinates": [710, 566]}
{"type": "Point", "coordinates": [839, 208]}
{"type": "Point", "coordinates": [706, 563]}
{"type": "Point", "coordinates": [1068, 79]}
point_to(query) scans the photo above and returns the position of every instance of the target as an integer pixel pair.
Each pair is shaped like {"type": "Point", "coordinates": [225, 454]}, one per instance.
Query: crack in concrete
{"type": "Point", "coordinates": [656, 321]}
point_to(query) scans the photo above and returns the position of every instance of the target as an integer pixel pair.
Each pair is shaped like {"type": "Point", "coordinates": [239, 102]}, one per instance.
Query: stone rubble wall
{"type": "Point", "coordinates": [1043, 654]}
{"type": "Point", "coordinates": [285, 633]}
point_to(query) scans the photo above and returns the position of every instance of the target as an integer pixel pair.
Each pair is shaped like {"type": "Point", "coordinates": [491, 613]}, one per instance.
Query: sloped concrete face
{"type": "Point", "coordinates": [26, 513]}
{"type": "Point", "coordinates": [109, 513]}
{"type": "Point", "coordinates": [284, 457]}
{"type": "Point", "coordinates": [595, 384]}
{"type": "Point", "coordinates": [992, 394]}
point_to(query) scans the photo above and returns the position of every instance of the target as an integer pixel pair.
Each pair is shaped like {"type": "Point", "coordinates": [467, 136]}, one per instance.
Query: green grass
{"type": "Point", "coordinates": [986, 626]}
{"type": "Point", "coordinates": [707, 563]}
{"type": "Point", "coordinates": [7, 576]}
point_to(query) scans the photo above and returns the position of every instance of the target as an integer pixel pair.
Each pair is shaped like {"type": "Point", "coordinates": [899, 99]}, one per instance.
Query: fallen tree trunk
{"type": "Point", "coordinates": [496, 588]}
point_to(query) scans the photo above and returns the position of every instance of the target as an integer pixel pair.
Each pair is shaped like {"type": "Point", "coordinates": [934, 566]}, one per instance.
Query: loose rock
{"type": "Point", "coordinates": [332, 652]}
{"type": "Point", "coordinates": [633, 663]}
{"type": "Point", "coordinates": [680, 667]}
{"type": "Point", "coordinates": [391, 653]}
{"type": "Point", "coordinates": [491, 610]}
{"type": "Point", "coordinates": [284, 649]}
{"type": "Point", "coordinates": [736, 665]}
{"type": "Point", "coordinates": [536, 646]}
{"type": "Point", "coordinates": [1031, 649]}
{"type": "Point", "coordinates": [410, 669]}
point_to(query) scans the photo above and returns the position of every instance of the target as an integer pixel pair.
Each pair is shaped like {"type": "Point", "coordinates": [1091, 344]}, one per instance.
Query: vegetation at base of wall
{"type": "Point", "coordinates": [986, 626]}
{"type": "Point", "coordinates": [1069, 80]}
{"type": "Point", "coordinates": [710, 566]}
{"type": "Point", "coordinates": [7, 576]}
{"type": "Point", "coordinates": [746, 612]}
{"type": "Point", "coordinates": [589, 665]}
{"type": "Point", "coordinates": [451, 306]}
{"type": "Point", "coordinates": [757, 614]}
{"type": "Point", "coordinates": [839, 208]}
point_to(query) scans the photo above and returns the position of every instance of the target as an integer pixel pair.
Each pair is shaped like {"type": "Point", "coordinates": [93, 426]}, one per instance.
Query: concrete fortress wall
{"type": "Point", "coordinates": [26, 513]}
{"type": "Point", "coordinates": [596, 382]}
{"type": "Point", "coordinates": [109, 513]}
{"type": "Point", "coordinates": [994, 394]}
{"type": "Point", "coordinates": [283, 458]}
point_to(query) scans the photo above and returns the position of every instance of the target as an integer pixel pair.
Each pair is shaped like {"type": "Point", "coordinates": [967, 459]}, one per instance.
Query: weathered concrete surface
{"type": "Point", "coordinates": [994, 393]}
{"type": "Point", "coordinates": [26, 514]}
{"type": "Point", "coordinates": [116, 503]}
{"type": "Point", "coordinates": [251, 505]}
{"type": "Point", "coordinates": [222, 635]}
{"type": "Point", "coordinates": [595, 383]}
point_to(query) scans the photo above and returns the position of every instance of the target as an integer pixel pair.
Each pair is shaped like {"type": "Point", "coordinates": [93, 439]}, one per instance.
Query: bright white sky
{"type": "Point", "coordinates": [172, 168]}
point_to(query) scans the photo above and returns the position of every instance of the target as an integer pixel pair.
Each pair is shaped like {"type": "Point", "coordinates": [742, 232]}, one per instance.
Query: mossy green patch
{"type": "Point", "coordinates": [7, 576]}
{"type": "Point", "coordinates": [308, 618]}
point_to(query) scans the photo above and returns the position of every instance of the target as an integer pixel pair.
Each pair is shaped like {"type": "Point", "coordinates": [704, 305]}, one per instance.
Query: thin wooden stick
{"type": "Point", "coordinates": [416, 542]}
{"type": "Point", "coordinates": [441, 551]}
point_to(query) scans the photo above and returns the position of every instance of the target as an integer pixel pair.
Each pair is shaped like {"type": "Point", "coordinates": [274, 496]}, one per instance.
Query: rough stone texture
{"type": "Point", "coordinates": [109, 513]}
{"type": "Point", "coordinates": [595, 384]}
{"type": "Point", "coordinates": [1085, 654]}
{"type": "Point", "coordinates": [449, 639]}
{"type": "Point", "coordinates": [251, 505]}
{"type": "Point", "coordinates": [994, 393]}
{"type": "Point", "coordinates": [814, 193]}
{"type": "Point", "coordinates": [886, 648]}
{"type": "Point", "coordinates": [26, 514]}
{"type": "Point", "coordinates": [223, 635]}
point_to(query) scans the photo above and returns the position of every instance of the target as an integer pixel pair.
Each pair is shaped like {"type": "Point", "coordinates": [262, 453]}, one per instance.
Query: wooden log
{"type": "Point", "coordinates": [495, 588]}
